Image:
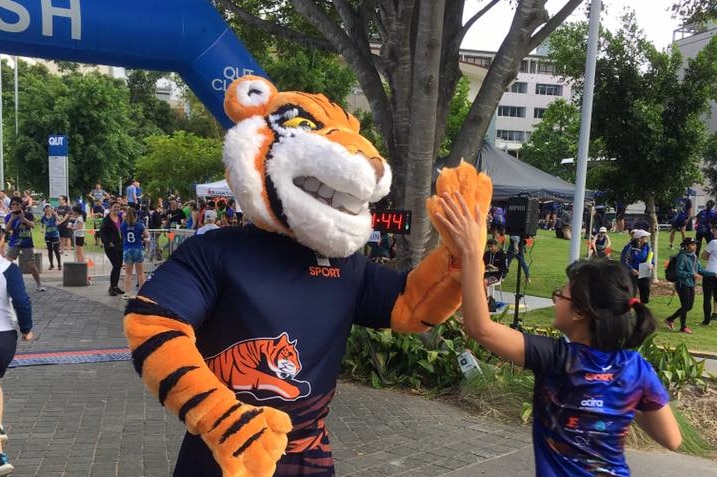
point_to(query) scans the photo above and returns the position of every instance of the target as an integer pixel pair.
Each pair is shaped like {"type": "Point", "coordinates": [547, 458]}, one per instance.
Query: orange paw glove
{"type": "Point", "coordinates": [475, 188]}
{"type": "Point", "coordinates": [247, 441]}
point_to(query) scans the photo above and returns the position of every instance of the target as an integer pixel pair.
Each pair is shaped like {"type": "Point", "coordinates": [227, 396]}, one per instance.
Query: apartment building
{"type": "Point", "coordinates": [524, 103]}
{"type": "Point", "coordinates": [689, 40]}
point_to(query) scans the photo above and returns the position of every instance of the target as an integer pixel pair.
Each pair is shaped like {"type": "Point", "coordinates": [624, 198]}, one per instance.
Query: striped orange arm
{"type": "Point", "coordinates": [431, 296]}
{"type": "Point", "coordinates": [246, 441]}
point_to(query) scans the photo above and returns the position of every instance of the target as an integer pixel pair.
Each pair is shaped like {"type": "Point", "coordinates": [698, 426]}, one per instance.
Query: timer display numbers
{"type": "Point", "coordinates": [391, 221]}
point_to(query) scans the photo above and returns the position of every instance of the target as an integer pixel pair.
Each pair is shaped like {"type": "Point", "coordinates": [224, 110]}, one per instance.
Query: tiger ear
{"type": "Point", "coordinates": [248, 96]}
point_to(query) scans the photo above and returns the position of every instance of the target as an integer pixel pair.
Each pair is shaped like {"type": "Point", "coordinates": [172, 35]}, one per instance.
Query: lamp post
{"type": "Point", "coordinates": [584, 141]}
{"type": "Point", "coordinates": [2, 148]}
{"type": "Point", "coordinates": [17, 67]}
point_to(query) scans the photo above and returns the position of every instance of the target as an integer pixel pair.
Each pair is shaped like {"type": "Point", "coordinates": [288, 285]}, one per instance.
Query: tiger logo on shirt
{"type": "Point", "coordinates": [266, 368]}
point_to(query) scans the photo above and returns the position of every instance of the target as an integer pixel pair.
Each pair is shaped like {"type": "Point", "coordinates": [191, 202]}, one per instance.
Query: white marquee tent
{"type": "Point", "coordinates": [214, 189]}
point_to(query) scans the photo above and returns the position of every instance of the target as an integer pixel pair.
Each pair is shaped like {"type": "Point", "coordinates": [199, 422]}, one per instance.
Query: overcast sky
{"type": "Point", "coordinates": [653, 16]}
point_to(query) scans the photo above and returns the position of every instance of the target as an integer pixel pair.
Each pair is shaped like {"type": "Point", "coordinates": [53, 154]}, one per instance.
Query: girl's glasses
{"type": "Point", "coordinates": [558, 293]}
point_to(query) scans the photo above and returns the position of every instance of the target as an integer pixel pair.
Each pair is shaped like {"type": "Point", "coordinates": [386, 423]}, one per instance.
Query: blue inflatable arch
{"type": "Point", "coordinates": [185, 36]}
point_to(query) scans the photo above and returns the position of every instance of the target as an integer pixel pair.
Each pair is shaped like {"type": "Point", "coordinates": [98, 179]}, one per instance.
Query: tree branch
{"type": "Point", "coordinates": [476, 17]}
{"type": "Point", "coordinates": [274, 29]}
{"type": "Point", "coordinates": [361, 63]}
{"type": "Point", "coordinates": [348, 15]}
{"type": "Point", "coordinates": [553, 23]}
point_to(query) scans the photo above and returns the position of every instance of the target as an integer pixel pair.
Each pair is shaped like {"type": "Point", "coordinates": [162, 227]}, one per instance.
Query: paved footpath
{"type": "Point", "coordinates": [96, 419]}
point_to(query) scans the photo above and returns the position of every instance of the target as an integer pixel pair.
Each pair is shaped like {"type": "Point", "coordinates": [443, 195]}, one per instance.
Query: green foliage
{"type": "Point", "coordinates": [554, 138]}
{"type": "Point", "coordinates": [428, 360]}
{"type": "Point", "coordinates": [458, 110]}
{"type": "Point", "coordinates": [152, 115]}
{"type": "Point", "coordinates": [178, 163]}
{"type": "Point", "coordinates": [698, 12]}
{"type": "Point", "coordinates": [646, 113]}
{"type": "Point", "coordinates": [710, 169]}
{"type": "Point", "coordinates": [692, 441]}
{"type": "Point", "coordinates": [300, 69]}
{"type": "Point", "coordinates": [499, 391]}
{"type": "Point", "coordinates": [198, 121]}
{"type": "Point", "coordinates": [91, 109]}
{"type": "Point", "coordinates": [676, 367]}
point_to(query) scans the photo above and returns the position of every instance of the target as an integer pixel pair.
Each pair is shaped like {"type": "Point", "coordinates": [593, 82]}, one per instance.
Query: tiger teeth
{"type": "Point", "coordinates": [347, 201]}
{"type": "Point", "coordinates": [325, 191]}
{"type": "Point", "coordinates": [326, 195]}
{"type": "Point", "coordinates": [312, 184]}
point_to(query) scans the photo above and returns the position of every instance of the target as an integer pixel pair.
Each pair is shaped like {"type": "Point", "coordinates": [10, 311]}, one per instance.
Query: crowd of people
{"type": "Point", "coordinates": [638, 258]}
{"type": "Point", "coordinates": [636, 255]}
{"type": "Point", "coordinates": [127, 227]}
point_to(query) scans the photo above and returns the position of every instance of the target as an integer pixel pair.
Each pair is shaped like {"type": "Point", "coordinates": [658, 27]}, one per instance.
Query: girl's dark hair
{"type": "Point", "coordinates": [601, 291]}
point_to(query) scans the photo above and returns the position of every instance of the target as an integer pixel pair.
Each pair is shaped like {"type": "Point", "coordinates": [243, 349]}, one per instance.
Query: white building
{"type": "Point", "coordinates": [690, 40]}
{"type": "Point", "coordinates": [524, 104]}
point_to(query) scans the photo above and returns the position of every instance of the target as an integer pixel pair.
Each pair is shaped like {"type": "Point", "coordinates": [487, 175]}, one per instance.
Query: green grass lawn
{"type": "Point", "coordinates": [550, 255]}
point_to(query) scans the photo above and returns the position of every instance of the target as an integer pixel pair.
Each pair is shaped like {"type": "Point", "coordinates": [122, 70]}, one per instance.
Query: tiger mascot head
{"type": "Point", "coordinates": [298, 166]}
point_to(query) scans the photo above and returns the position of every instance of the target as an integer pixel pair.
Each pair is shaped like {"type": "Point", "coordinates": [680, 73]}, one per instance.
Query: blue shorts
{"type": "Point", "coordinates": [133, 255]}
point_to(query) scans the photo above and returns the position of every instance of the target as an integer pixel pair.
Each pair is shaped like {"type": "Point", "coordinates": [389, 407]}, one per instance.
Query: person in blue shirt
{"type": "Point", "coordinates": [134, 234]}
{"type": "Point", "coordinates": [19, 224]}
{"type": "Point", "coordinates": [588, 390]}
{"type": "Point", "coordinates": [637, 252]}
{"type": "Point", "coordinates": [703, 224]}
{"type": "Point", "coordinates": [132, 196]}
{"type": "Point", "coordinates": [683, 215]}
{"type": "Point", "coordinates": [497, 221]}
{"type": "Point", "coordinates": [52, 236]}
{"type": "Point", "coordinates": [14, 304]}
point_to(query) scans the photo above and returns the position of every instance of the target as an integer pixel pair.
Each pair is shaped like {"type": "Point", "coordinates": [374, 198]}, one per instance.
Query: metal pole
{"type": "Point", "coordinates": [16, 97]}
{"type": "Point", "coordinates": [2, 146]}
{"type": "Point", "coordinates": [584, 141]}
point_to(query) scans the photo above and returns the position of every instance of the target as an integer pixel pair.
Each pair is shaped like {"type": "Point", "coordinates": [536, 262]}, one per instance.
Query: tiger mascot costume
{"type": "Point", "coordinates": [241, 332]}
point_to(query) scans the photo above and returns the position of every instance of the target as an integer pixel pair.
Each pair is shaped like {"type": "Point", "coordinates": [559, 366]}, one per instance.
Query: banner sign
{"type": "Point", "coordinates": [57, 152]}
{"type": "Point", "coordinates": [185, 36]}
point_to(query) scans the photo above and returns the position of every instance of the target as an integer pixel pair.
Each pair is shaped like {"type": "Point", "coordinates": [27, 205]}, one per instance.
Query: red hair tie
{"type": "Point", "coordinates": [632, 301]}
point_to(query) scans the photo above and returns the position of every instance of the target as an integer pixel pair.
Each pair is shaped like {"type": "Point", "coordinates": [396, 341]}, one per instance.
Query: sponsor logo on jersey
{"type": "Point", "coordinates": [602, 377]}
{"type": "Point", "coordinates": [324, 268]}
{"type": "Point", "coordinates": [592, 403]}
{"type": "Point", "coordinates": [327, 272]}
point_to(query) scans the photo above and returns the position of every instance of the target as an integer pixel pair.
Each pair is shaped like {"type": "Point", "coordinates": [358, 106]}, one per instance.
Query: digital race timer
{"type": "Point", "coordinates": [391, 221]}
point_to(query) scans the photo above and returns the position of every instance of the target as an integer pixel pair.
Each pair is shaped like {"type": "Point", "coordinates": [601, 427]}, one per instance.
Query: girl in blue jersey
{"type": "Point", "coordinates": [134, 234]}
{"type": "Point", "coordinates": [52, 236]}
{"type": "Point", "coordinates": [589, 389]}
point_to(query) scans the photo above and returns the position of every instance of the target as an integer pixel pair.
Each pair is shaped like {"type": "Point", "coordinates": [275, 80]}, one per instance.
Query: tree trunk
{"type": "Point", "coordinates": [426, 68]}
{"type": "Point", "coordinates": [650, 203]}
